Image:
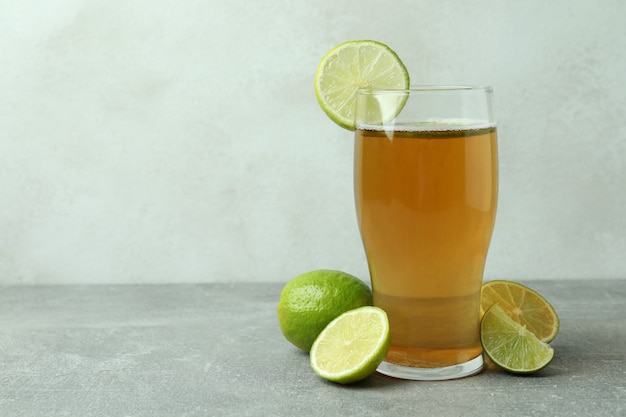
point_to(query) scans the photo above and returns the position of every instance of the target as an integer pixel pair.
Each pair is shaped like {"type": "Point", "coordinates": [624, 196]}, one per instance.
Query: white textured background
{"type": "Point", "coordinates": [180, 141]}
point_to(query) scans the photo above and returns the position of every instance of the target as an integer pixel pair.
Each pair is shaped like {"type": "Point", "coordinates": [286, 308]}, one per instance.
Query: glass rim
{"type": "Point", "coordinates": [428, 89]}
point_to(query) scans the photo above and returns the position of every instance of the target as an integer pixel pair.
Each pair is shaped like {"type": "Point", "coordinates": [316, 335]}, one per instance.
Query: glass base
{"type": "Point", "coordinates": [432, 374]}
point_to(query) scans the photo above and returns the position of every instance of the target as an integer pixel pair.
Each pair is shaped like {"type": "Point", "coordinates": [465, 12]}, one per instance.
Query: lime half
{"type": "Point", "coordinates": [352, 346]}
{"type": "Point", "coordinates": [511, 345]}
{"type": "Point", "coordinates": [353, 65]}
{"type": "Point", "coordinates": [524, 305]}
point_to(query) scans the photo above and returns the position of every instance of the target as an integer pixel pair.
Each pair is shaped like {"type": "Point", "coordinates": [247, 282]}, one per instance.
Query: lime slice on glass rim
{"type": "Point", "coordinates": [511, 345]}
{"type": "Point", "coordinates": [352, 346]}
{"type": "Point", "coordinates": [353, 65]}
{"type": "Point", "coordinates": [524, 305]}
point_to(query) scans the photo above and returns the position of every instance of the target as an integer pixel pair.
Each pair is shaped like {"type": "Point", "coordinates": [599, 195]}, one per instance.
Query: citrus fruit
{"type": "Point", "coordinates": [353, 65]}
{"type": "Point", "coordinates": [312, 300]}
{"type": "Point", "coordinates": [351, 347]}
{"type": "Point", "coordinates": [523, 305]}
{"type": "Point", "coordinates": [510, 345]}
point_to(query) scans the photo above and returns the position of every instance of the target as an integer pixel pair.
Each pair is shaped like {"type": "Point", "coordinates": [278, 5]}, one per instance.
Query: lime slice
{"type": "Point", "coordinates": [353, 65]}
{"type": "Point", "coordinates": [524, 305]}
{"type": "Point", "coordinates": [511, 345]}
{"type": "Point", "coordinates": [351, 347]}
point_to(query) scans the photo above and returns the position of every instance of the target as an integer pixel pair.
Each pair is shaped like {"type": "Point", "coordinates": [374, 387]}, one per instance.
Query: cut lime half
{"type": "Point", "coordinates": [524, 305]}
{"type": "Point", "coordinates": [511, 345]}
{"type": "Point", "coordinates": [353, 65]}
{"type": "Point", "coordinates": [352, 346]}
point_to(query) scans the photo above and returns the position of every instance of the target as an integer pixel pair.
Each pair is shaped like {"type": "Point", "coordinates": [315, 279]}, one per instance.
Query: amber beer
{"type": "Point", "coordinates": [426, 202]}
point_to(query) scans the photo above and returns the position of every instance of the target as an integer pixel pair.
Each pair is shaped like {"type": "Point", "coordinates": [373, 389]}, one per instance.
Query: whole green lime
{"type": "Point", "coordinates": [312, 300]}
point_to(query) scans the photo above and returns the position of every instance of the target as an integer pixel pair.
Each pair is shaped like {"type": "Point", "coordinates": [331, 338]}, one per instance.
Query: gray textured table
{"type": "Point", "coordinates": [216, 350]}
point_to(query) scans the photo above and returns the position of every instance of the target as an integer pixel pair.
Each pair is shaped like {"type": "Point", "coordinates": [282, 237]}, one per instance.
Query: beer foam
{"type": "Point", "coordinates": [431, 125]}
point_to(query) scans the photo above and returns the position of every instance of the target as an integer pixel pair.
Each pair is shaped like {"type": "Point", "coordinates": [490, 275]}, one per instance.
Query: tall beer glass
{"type": "Point", "coordinates": [426, 183]}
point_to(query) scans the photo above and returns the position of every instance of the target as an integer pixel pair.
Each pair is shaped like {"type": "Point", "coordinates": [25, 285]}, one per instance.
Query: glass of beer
{"type": "Point", "coordinates": [426, 185]}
